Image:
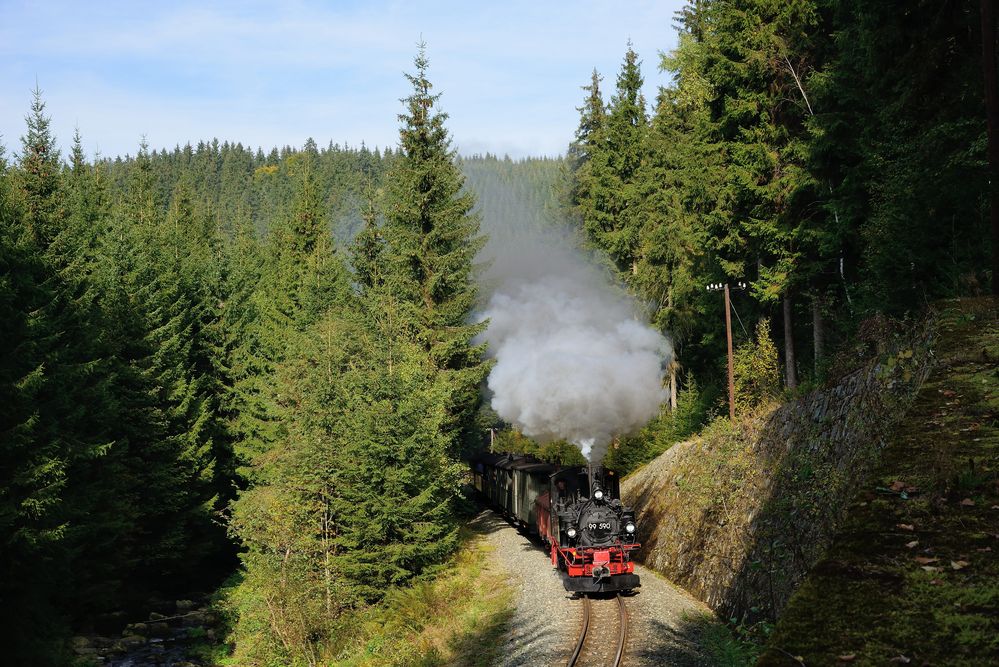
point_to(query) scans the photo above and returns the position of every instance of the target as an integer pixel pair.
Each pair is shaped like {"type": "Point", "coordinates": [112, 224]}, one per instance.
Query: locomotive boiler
{"type": "Point", "coordinates": [576, 511]}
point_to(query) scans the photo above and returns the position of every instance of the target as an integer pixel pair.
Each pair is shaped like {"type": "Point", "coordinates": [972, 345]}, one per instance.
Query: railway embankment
{"type": "Point", "coordinates": [739, 515]}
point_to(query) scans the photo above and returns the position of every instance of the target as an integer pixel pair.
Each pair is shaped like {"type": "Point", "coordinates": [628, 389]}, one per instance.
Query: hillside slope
{"type": "Point", "coordinates": [912, 576]}
{"type": "Point", "coordinates": [739, 515]}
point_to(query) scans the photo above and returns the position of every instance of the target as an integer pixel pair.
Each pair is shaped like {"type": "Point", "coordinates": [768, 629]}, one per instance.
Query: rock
{"type": "Point", "coordinates": [159, 629]}
{"type": "Point", "coordinates": [131, 641]}
{"type": "Point", "coordinates": [210, 634]}
{"type": "Point", "coordinates": [197, 618]}
{"type": "Point", "coordinates": [86, 651]}
{"type": "Point", "coordinates": [156, 616]}
{"type": "Point", "coordinates": [184, 605]}
{"type": "Point", "coordinates": [79, 643]}
{"type": "Point", "coordinates": [135, 629]}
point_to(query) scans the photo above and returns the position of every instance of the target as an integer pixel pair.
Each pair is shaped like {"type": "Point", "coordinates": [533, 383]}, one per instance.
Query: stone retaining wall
{"type": "Point", "coordinates": [739, 515]}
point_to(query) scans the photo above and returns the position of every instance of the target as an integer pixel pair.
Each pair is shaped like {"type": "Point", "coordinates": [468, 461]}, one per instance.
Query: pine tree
{"type": "Point", "coordinates": [680, 186]}
{"type": "Point", "coordinates": [627, 125]}
{"type": "Point", "coordinates": [34, 455]}
{"type": "Point", "coordinates": [39, 176]}
{"type": "Point", "coordinates": [431, 238]}
{"type": "Point", "coordinates": [588, 143]}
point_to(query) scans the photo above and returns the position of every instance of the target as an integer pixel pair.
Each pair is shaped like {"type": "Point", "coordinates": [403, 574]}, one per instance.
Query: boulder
{"type": "Point", "coordinates": [198, 617]}
{"type": "Point", "coordinates": [159, 629]}
{"type": "Point", "coordinates": [135, 629]}
{"type": "Point", "coordinates": [184, 605]}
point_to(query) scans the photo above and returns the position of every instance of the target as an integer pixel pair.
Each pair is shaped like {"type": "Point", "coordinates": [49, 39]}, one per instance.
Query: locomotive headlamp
{"type": "Point", "coordinates": [571, 532]}
{"type": "Point", "coordinates": [598, 494]}
{"type": "Point", "coordinates": [630, 527]}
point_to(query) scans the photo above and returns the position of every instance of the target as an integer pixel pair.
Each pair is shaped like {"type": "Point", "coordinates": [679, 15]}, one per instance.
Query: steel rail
{"type": "Point", "coordinates": [622, 630]}
{"type": "Point", "coordinates": [582, 632]}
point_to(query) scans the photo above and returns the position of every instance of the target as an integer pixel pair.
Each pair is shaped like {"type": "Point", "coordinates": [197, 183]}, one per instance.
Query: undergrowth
{"type": "Point", "coordinates": [454, 617]}
{"type": "Point", "coordinates": [734, 644]}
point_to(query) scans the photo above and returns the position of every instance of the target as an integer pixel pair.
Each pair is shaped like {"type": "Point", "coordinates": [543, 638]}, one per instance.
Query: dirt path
{"type": "Point", "coordinates": [665, 622]}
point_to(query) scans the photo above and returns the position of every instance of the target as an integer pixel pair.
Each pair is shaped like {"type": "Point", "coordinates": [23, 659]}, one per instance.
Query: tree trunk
{"type": "Point", "coordinates": [818, 332]}
{"type": "Point", "coordinates": [791, 377]}
{"type": "Point", "coordinates": [672, 384]}
{"type": "Point", "coordinates": [992, 113]}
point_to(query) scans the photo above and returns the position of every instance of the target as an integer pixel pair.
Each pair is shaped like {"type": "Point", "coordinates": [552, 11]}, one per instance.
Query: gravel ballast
{"type": "Point", "coordinates": [664, 622]}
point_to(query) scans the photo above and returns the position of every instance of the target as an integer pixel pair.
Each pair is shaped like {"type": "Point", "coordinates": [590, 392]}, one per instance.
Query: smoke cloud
{"type": "Point", "coordinates": [574, 359]}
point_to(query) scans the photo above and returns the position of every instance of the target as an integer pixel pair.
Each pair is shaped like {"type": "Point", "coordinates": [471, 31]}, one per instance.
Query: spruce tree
{"type": "Point", "coordinates": [34, 452]}
{"type": "Point", "coordinates": [588, 146]}
{"type": "Point", "coordinates": [39, 176]}
{"type": "Point", "coordinates": [431, 239]}
{"type": "Point", "coordinates": [627, 126]}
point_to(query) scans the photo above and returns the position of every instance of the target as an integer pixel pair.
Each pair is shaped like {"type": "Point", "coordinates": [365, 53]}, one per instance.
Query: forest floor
{"type": "Point", "coordinates": [913, 574]}
{"type": "Point", "coordinates": [666, 625]}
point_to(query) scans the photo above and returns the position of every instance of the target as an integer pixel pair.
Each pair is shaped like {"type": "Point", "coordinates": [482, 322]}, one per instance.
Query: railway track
{"type": "Point", "coordinates": [593, 646]}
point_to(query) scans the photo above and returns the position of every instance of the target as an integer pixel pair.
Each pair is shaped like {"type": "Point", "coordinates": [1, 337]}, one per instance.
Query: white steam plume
{"type": "Point", "coordinates": [574, 359]}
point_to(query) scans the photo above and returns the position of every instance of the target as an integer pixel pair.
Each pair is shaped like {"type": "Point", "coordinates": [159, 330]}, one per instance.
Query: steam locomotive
{"type": "Point", "coordinates": [576, 511]}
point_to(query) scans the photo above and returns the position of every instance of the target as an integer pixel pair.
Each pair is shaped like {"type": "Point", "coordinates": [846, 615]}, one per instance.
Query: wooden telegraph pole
{"type": "Point", "coordinates": [731, 361]}
{"type": "Point", "coordinates": [717, 287]}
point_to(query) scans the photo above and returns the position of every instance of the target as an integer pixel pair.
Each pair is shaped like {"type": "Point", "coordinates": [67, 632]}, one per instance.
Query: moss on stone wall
{"type": "Point", "coordinates": [912, 576]}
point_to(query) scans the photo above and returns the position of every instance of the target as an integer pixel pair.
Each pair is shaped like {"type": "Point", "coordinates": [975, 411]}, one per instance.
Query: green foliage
{"type": "Point", "coordinates": [827, 153]}
{"type": "Point", "coordinates": [757, 374]}
{"type": "Point", "coordinates": [606, 156]}
{"type": "Point", "coordinates": [355, 401]}
{"type": "Point", "coordinates": [670, 427]}
{"type": "Point", "coordinates": [561, 452]}
{"type": "Point", "coordinates": [144, 322]}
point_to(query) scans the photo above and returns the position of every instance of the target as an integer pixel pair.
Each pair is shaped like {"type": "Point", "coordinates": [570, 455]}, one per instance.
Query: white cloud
{"type": "Point", "coordinates": [277, 73]}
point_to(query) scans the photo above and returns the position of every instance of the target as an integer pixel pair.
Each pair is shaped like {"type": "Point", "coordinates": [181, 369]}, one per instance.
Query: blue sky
{"type": "Point", "coordinates": [276, 73]}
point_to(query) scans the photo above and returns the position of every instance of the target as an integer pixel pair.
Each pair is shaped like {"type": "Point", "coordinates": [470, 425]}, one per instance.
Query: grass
{"type": "Point", "coordinates": [456, 619]}
{"type": "Point", "coordinates": [734, 645]}
{"type": "Point", "coordinates": [453, 617]}
{"type": "Point", "coordinates": [913, 574]}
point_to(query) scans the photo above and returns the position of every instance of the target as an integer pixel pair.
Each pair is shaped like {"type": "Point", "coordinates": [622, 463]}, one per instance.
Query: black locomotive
{"type": "Point", "coordinates": [576, 511]}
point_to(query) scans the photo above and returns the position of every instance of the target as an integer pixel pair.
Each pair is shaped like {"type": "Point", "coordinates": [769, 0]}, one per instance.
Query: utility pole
{"type": "Point", "coordinates": [717, 287]}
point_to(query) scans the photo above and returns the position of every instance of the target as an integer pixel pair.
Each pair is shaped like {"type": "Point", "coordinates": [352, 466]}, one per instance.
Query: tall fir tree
{"type": "Point", "coordinates": [39, 175]}
{"type": "Point", "coordinates": [627, 127]}
{"type": "Point", "coordinates": [431, 239]}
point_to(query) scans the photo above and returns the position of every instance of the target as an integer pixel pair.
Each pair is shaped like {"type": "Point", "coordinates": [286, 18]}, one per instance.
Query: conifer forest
{"type": "Point", "coordinates": [252, 378]}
